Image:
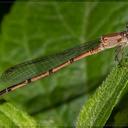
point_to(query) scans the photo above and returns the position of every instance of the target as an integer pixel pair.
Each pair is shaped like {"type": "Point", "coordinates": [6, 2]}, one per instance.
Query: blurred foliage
{"type": "Point", "coordinates": [32, 29]}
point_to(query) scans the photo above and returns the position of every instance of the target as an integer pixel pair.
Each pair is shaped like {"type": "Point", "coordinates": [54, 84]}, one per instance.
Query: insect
{"type": "Point", "coordinates": [22, 74]}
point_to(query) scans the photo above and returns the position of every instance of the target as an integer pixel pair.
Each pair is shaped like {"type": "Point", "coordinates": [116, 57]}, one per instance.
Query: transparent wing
{"type": "Point", "coordinates": [32, 68]}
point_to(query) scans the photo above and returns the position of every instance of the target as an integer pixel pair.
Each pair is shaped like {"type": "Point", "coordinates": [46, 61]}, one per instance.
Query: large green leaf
{"type": "Point", "coordinates": [33, 29]}
{"type": "Point", "coordinates": [99, 107]}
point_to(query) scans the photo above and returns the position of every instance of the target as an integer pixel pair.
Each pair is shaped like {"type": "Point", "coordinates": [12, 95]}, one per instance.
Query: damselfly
{"type": "Point", "coordinates": [33, 70]}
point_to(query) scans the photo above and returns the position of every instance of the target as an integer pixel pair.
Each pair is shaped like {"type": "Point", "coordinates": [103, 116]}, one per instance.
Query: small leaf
{"type": "Point", "coordinates": [14, 117]}
{"type": "Point", "coordinates": [99, 107]}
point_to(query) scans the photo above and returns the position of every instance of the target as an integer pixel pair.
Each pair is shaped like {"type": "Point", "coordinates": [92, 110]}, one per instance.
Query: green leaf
{"type": "Point", "coordinates": [11, 116]}
{"type": "Point", "coordinates": [99, 107]}
{"type": "Point", "coordinates": [5, 121]}
{"type": "Point", "coordinates": [15, 116]}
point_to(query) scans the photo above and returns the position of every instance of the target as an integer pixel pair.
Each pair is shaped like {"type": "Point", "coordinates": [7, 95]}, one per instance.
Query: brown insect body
{"type": "Point", "coordinates": [105, 42]}
{"type": "Point", "coordinates": [115, 39]}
